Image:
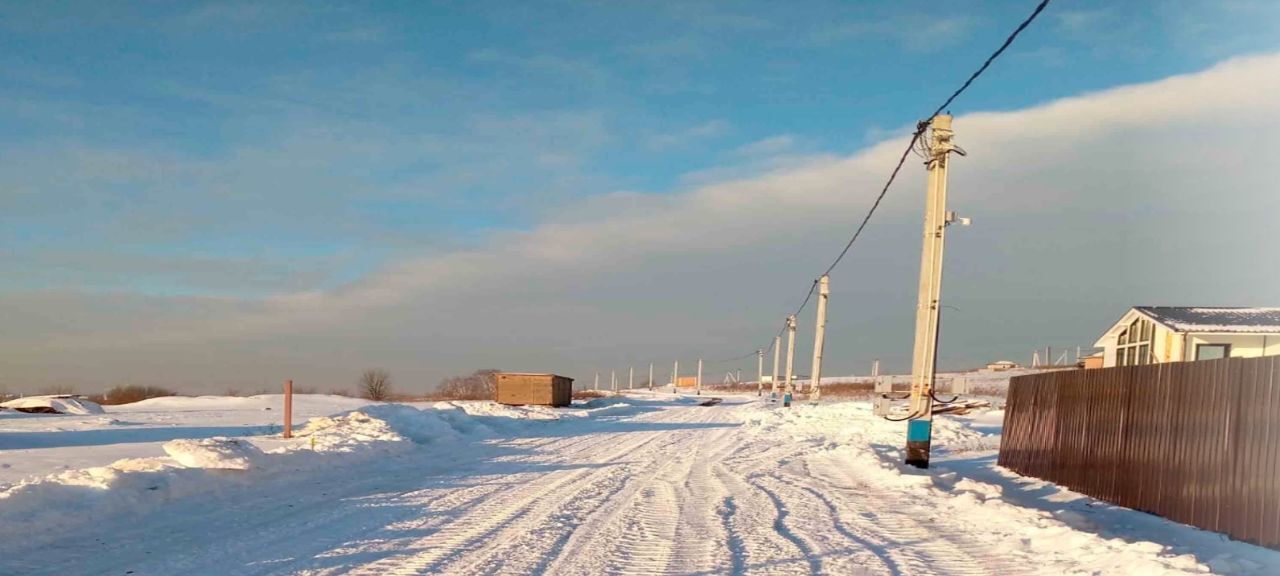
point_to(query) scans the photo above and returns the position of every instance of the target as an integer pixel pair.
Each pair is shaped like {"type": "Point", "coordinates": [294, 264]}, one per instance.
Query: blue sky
{"type": "Point", "coordinates": [246, 151]}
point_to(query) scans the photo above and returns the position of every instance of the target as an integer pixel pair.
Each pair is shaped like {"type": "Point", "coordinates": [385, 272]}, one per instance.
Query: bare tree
{"type": "Point", "coordinates": [375, 383]}
{"type": "Point", "coordinates": [479, 385]}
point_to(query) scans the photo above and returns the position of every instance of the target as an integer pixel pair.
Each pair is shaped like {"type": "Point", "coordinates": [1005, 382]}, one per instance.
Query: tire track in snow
{"type": "Point", "coordinates": [940, 547]}
{"type": "Point", "coordinates": [637, 528]}
{"type": "Point", "coordinates": [473, 531]}
{"type": "Point", "coordinates": [553, 537]}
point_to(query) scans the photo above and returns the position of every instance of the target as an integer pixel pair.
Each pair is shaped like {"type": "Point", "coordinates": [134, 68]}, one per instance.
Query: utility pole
{"type": "Point", "coordinates": [773, 382]}
{"type": "Point", "coordinates": [759, 372]}
{"type": "Point", "coordinates": [597, 384]}
{"type": "Point", "coordinates": [819, 337]}
{"type": "Point", "coordinates": [651, 376]}
{"type": "Point", "coordinates": [631, 377]}
{"type": "Point", "coordinates": [613, 380]}
{"type": "Point", "coordinates": [698, 382]}
{"type": "Point", "coordinates": [924, 357]}
{"type": "Point", "coordinates": [675, 377]}
{"type": "Point", "coordinates": [791, 354]}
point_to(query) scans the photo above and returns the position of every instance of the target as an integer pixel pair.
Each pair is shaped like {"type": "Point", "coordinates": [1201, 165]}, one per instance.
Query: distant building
{"type": "Point", "coordinates": [1001, 366]}
{"type": "Point", "coordinates": [1093, 360]}
{"type": "Point", "coordinates": [1154, 334]}
{"type": "Point", "coordinates": [518, 389]}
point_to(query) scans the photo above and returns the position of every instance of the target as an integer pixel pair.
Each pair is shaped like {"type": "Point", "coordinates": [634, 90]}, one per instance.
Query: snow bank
{"type": "Point", "coordinates": [39, 507]}
{"type": "Point", "coordinates": [1044, 539]}
{"type": "Point", "coordinates": [61, 404]}
{"type": "Point", "coordinates": [221, 453]}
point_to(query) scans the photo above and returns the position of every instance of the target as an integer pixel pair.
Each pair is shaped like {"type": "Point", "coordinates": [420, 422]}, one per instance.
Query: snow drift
{"type": "Point", "coordinates": [59, 404]}
{"type": "Point", "coordinates": [193, 466]}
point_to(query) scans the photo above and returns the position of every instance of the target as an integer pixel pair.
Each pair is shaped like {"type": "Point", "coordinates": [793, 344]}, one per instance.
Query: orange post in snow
{"type": "Point", "coordinates": [288, 408]}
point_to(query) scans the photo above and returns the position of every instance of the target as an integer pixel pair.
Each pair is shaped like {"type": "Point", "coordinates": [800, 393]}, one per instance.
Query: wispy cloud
{"type": "Point", "coordinates": [1094, 178]}
{"type": "Point", "coordinates": [689, 135]}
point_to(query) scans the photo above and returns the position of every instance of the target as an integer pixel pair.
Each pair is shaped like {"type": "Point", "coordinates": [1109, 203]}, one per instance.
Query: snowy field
{"type": "Point", "coordinates": [643, 484]}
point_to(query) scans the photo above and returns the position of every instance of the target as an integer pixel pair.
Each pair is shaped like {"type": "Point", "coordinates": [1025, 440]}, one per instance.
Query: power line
{"type": "Point", "coordinates": [921, 126]}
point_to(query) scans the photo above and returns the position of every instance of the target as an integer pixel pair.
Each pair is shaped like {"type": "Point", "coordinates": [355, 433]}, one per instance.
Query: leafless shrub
{"type": "Point", "coordinates": [128, 394]}
{"type": "Point", "coordinates": [479, 385]}
{"type": "Point", "coordinates": [57, 390]}
{"type": "Point", "coordinates": [375, 384]}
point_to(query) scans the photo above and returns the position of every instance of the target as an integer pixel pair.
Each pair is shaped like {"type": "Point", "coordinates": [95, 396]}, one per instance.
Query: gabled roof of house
{"type": "Point", "coordinates": [1218, 319]}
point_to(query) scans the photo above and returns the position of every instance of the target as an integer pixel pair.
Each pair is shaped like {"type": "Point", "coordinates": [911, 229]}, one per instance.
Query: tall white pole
{"type": "Point", "coordinates": [924, 356]}
{"type": "Point", "coordinates": [773, 382]}
{"type": "Point", "coordinates": [675, 376]}
{"type": "Point", "coordinates": [651, 376]}
{"type": "Point", "coordinates": [613, 380]}
{"type": "Point", "coordinates": [791, 355]}
{"type": "Point", "coordinates": [819, 338]}
{"type": "Point", "coordinates": [597, 385]}
{"type": "Point", "coordinates": [698, 381]}
{"type": "Point", "coordinates": [759, 372]}
{"type": "Point", "coordinates": [631, 377]}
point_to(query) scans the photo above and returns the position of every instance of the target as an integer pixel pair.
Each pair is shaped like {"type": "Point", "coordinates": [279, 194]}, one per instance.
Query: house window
{"type": "Point", "coordinates": [1212, 351]}
{"type": "Point", "coordinates": [1133, 345]}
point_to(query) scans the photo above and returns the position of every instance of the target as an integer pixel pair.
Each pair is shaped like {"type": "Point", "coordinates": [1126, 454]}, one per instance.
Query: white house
{"type": "Point", "coordinates": [1153, 334]}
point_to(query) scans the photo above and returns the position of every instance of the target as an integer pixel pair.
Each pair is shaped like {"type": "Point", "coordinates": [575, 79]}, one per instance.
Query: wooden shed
{"type": "Point", "coordinates": [544, 389]}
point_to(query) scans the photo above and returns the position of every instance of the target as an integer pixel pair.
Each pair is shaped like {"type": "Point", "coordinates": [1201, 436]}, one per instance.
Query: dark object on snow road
{"type": "Point", "coordinates": [519, 389]}
{"type": "Point", "coordinates": [710, 402]}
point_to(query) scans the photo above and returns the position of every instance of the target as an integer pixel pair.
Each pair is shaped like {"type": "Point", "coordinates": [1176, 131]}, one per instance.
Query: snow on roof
{"type": "Point", "coordinates": [1193, 319]}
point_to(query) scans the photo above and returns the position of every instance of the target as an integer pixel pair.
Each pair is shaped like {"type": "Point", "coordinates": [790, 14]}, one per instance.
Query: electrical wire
{"type": "Point", "coordinates": [921, 126]}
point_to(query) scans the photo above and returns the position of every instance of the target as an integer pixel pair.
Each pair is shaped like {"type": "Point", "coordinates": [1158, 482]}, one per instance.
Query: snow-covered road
{"type": "Point", "coordinates": [659, 487]}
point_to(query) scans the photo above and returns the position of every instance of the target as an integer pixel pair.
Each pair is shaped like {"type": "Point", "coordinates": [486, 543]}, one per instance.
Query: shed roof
{"type": "Point", "coordinates": [1217, 319]}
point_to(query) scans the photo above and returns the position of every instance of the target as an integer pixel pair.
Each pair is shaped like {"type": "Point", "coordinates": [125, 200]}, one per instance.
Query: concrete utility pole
{"type": "Point", "coordinates": [773, 382]}
{"type": "Point", "coordinates": [759, 372]}
{"type": "Point", "coordinates": [597, 384]}
{"type": "Point", "coordinates": [924, 361]}
{"type": "Point", "coordinates": [819, 337]}
{"type": "Point", "coordinates": [675, 377]}
{"type": "Point", "coordinates": [631, 377]}
{"type": "Point", "coordinates": [791, 355]}
{"type": "Point", "coordinates": [698, 381]}
{"type": "Point", "coordinates": [613, 380]}
{"type": "Point", "coordinates": [651, 376]}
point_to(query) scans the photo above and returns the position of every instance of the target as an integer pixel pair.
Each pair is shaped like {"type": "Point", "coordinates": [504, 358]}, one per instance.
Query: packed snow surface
{"type": "Point", "coordinates": [641, 484]}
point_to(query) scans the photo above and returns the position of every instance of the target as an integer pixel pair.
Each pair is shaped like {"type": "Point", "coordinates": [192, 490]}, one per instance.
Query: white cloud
{"type": "Point", "coordinates": [1144, 194]}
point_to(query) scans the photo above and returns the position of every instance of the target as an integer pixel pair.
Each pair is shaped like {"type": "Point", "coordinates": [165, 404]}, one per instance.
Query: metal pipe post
{"type": "Point", "coordinates": [288, 408]}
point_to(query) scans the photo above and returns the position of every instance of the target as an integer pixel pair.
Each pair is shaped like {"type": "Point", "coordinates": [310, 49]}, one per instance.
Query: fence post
{"type": "Point", "coordinates": [288, 408]}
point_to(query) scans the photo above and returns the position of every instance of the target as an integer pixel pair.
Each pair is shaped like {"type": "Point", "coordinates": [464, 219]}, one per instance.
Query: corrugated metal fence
{"type": "Point", "coordinates": [1195, 442]}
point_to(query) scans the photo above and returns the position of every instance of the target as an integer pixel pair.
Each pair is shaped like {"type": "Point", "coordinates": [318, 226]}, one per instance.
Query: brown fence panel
{"type": "Point", "coordinates": [1196, 442]}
